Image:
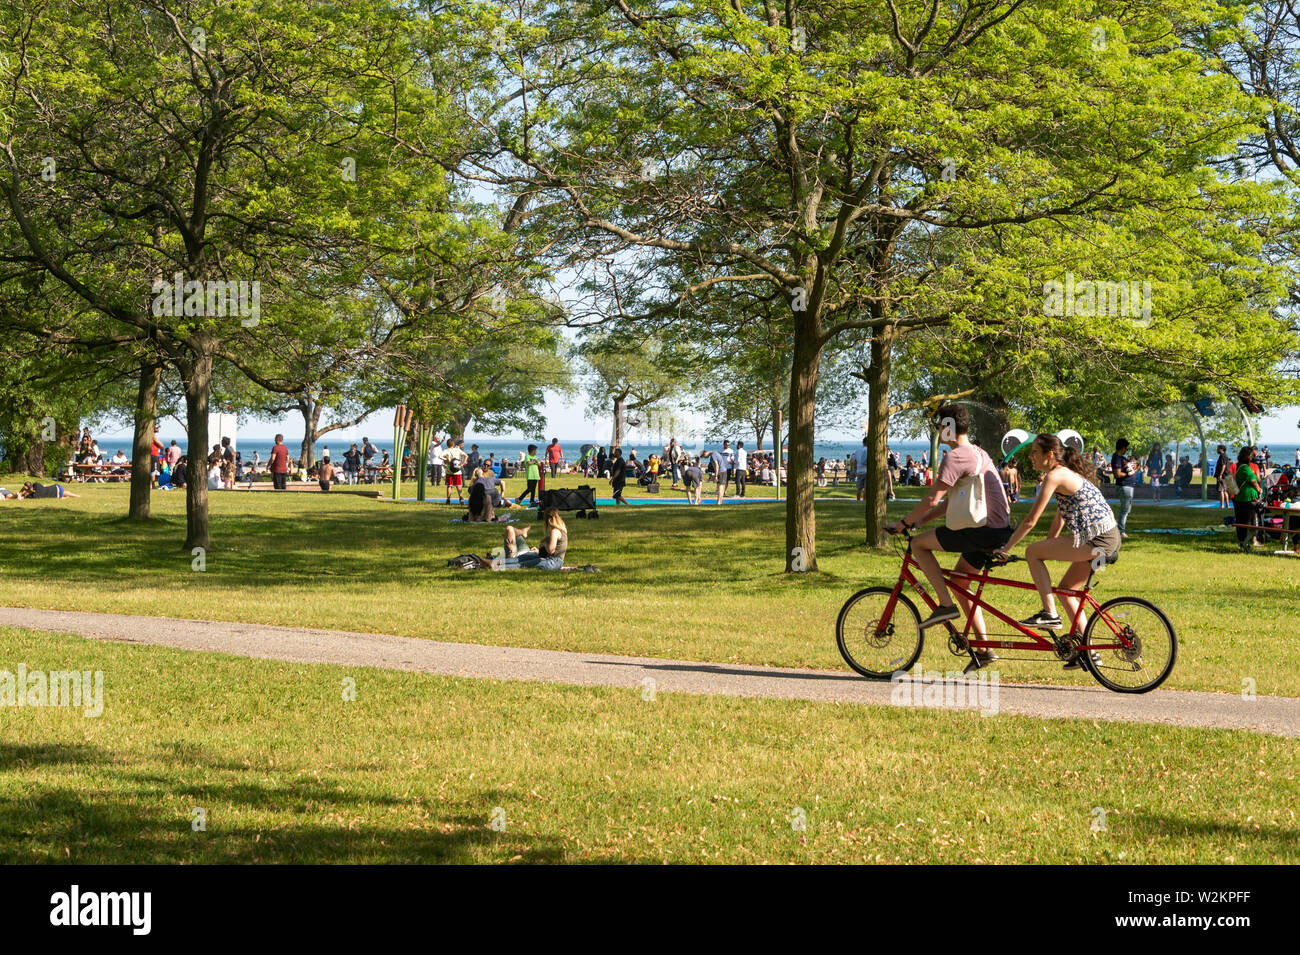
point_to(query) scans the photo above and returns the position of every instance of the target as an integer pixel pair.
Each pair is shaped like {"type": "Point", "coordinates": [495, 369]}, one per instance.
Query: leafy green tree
{"type": "Point", "coordinates": [260, 144]}
{"type": "Point", "coordinates": [827, 150]}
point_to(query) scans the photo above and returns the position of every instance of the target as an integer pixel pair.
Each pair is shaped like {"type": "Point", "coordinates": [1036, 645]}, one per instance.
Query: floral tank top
{"type": "Point", "coordinates": [1085, 513]}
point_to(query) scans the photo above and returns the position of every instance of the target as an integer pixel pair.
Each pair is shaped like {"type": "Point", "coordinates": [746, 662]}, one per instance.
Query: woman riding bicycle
{"type": "Point", "coordinates": [1094, 534]}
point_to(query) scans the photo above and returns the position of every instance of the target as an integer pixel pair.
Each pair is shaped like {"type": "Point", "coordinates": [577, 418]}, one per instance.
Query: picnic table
{"type": "Point", "coordinates": [1291, 525]}
{"type": "Point", "coordinates": [119, 471]}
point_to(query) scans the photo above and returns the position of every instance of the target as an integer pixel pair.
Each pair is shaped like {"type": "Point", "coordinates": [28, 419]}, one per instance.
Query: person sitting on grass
{"type": "Point", "coordinates": [549, 556]}
{"type": "Point", "coordinates": [41, 491]}
{"type": "Point", "coordinates": [328, 474]}
{"type": "Point", "coordinates": [1080, 508]}
{"type": "Point", "coordinates": [481, 503]}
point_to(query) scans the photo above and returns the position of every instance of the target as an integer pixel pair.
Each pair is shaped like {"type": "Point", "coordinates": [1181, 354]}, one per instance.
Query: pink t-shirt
{"type": "Point", "coordinates": [965, 460]}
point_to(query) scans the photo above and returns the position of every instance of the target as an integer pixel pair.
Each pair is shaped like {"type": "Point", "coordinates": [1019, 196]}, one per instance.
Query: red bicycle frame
{"type": "Point", "coordinates": [977, 602]}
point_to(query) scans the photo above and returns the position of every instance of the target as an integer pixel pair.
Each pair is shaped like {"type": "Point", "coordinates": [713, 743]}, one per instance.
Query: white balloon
{"type": "Point", "coordinates": [1013, 439]}
{"type": "Point", "coordinates": [1071, 439]}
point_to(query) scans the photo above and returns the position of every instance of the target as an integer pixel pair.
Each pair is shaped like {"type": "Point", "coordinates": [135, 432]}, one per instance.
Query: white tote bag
{"type": "Point", "coordinates": [966, 504]}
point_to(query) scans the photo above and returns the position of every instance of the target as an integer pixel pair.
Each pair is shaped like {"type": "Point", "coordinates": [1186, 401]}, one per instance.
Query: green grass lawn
{"type": "Point", "coordinates": [701, 583]}
{"type": "Point", "coordinates": [415, 769]}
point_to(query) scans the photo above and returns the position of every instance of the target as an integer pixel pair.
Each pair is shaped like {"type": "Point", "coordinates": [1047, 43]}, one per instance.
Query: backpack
{"type": "Point", "coordinates": [1230, 480]}
{"type": "Point", "coordinates": [966, 504]}
{"type": "Point", "coordinates": [465, 562]}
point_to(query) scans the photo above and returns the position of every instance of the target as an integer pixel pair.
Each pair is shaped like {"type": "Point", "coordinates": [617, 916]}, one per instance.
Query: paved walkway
{"type": "Point", "coordinates": [1275, 715]}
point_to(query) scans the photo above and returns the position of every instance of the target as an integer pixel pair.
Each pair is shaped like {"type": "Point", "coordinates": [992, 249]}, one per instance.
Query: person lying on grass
{"type": "Point", "coordinates": [1080, 508]}
{"type": "Point", "coordinates": [44, 490]}
{"type": "Point", "coordinates": [549, 556]}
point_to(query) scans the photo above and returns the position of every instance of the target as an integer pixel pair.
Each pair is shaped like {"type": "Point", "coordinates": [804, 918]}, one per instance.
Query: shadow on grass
{"type": "Point", "coordinates": [126, 815]}
{"type": "Point", "coordinates": [727, 671]}
{"type": "Point", "coordinates": [1278, 843]}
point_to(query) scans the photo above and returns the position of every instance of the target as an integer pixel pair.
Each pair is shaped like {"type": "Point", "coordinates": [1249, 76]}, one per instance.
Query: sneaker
{"type": "Point", "coordinates": [1042, 621]}
{"type": "Point", "coordinates": [982, 659]}
{"type": "Point", "coordinates": [1123, 536]}
{"type": "Point", "coordinates": [941, 614]}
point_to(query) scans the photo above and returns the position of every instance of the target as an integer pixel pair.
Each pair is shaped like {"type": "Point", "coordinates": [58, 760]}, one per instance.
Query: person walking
{"type": "Point", "coordinates": [618, 476]}
{"type": "Point", "coordinates": [1121, 467]}
{"type": "Point", "coordinates": [279, 464]}
{"type": "Point", "coordinates": [742, 468]}
{"type": "Point", "coordinates": [533, 474]}
{"type": "Point", "coordinates": [555, 456]}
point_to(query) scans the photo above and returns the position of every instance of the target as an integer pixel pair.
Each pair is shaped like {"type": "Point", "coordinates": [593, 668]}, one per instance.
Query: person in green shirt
{"type": "Point", "coordinates": [533, 472]}
{"type": "Point", "coordinates": [1249, 489]}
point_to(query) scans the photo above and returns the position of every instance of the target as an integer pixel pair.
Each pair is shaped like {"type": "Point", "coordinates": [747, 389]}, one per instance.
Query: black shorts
{"type": "Point", "coordinates": [975, 544]}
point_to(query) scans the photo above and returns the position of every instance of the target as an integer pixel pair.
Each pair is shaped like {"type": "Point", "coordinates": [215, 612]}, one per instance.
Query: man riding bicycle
{"type": "Point", "coordinates": [975, 537]}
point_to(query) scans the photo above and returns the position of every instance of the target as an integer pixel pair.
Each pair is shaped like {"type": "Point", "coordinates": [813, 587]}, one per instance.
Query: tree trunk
{"type": "Point", "coordinates": [30, 459]}
{"type": "Point", "coordinates": [197, 377]}
{"type": "Point", "coordinates": [800, 514]}
{"type": "Point", "coordinates": [989, 420]}
{"type": "Point", "coordinates": [310, 410]}
{"type": "Point", "coordinates": [617, 440]}
{"type": "Point", "coordinates": [146, 416]}
{"type": "Point", "coordinates": [877, 490]}
{"type": "Point", "coordinates": [459, 426]}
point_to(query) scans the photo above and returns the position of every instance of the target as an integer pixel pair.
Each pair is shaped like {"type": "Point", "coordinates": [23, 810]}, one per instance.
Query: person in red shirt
{"type": "Point", "coordinates": [279, 463]}
{"type": "Point", "coordinates": [554, 456]}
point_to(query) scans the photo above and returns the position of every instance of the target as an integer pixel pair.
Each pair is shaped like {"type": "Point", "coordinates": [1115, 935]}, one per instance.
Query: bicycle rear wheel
{"type": "Point", "coordinates": [873, 642]}
{"type": "Point", "coordinates": [1147, 651]}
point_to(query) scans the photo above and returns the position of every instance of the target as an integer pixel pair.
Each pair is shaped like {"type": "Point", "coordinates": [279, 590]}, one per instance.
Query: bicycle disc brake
{"type": "Point", "coordinates": [881, 637]}
{"type": "Point", "coordinates": [1133, 652]}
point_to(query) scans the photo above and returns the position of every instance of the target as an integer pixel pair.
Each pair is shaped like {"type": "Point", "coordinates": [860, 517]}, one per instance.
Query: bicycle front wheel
{"type": "Point", "coordinates": [1135, 644]}
{"type": "Point", "coordinates": [875, 639]}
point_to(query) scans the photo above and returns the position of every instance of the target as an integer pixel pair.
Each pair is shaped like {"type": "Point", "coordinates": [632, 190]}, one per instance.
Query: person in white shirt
{"type": "Point", "coordinates": [435, 461]}
{"type": "Point", "coordinates": [214, 478]}
{"type": "Point", "coordinates": [741, 468]}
